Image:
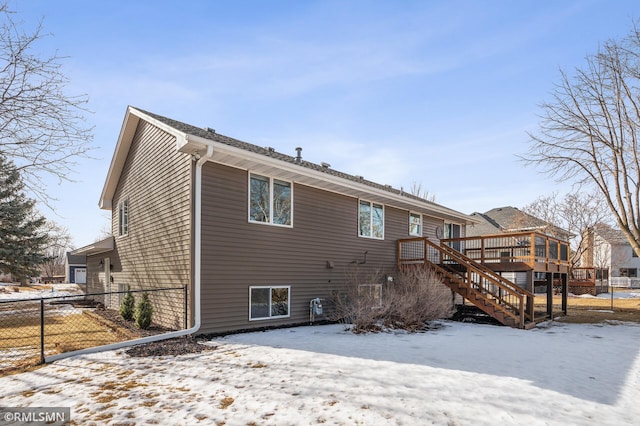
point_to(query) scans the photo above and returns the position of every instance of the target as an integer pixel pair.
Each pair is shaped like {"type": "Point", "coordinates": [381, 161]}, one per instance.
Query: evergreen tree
{"type": "Point", "coordinates": [144, 312]}
{"type": "Point", "coordinates": [22, 237]}
{"type": "Point", "coordinates": [128, 305]}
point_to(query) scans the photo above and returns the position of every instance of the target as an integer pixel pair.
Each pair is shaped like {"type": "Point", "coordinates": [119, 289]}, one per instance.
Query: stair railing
{"type": "Point", "coordinates": [496, 290]}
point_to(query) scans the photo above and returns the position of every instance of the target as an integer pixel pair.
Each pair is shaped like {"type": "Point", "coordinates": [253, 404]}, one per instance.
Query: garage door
{"type": "Point", "coordinates": [81, 276]}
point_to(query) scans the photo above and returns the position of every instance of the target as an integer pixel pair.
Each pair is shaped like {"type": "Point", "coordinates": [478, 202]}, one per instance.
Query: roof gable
{"type": "Point", "coordinates": [610, 234]}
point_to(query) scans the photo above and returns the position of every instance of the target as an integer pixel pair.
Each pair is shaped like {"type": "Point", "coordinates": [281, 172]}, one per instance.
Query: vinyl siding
{"type": "Point", "coordinates": [156, 253]}
{"type": "Point", "coordinates": [238, 254]}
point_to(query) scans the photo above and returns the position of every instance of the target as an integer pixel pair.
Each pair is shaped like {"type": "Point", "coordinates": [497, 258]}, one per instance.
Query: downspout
{"type": "Point", "coordinates": [196, 280]}
{"type": "Point", "coordinates": [197, 273]}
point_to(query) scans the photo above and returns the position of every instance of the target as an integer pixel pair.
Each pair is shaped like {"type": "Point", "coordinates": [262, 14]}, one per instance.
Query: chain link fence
{"type": "Point", "coordinates": [33, 329]}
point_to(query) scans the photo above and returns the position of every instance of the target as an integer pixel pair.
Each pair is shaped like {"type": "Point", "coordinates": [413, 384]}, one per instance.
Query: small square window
{"type": "Point", "coordinates": [415, 224]}
{"type": "Point", "coordinates": [370, 220]}
{"type": "Point", "coordinates": [270, 200]}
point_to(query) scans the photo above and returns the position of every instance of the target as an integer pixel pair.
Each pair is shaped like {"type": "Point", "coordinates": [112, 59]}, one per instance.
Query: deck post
{"type": "Point", "coordinates": [549, 276]}
{"type": "Point", "coordinates": [532, 250]}
{"type": "Point", "coordinates": [530, 286]}
{"type": "Point", "coordinates": [565, 292]}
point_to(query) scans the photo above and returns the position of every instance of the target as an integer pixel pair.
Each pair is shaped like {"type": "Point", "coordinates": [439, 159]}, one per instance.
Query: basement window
{"type": "Point", "coordinates": [370, 295]}
{"type": "Point", "coordinates": [269, 302]}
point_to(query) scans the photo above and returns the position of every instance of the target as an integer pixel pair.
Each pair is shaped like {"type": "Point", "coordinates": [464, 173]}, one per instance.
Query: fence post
{"type": "Point", "coordinates": [186, 308]}
{"type": "Point", "coordinates": [41, 331]}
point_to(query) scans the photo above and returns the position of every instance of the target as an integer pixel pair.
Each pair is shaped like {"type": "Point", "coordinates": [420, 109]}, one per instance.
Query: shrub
{"type": "Point", "coordinates": [353, 306]}
{"type": "Point", "coordinates": [144, 312]}
{"type": "Point", "coordinates": [127, 306]}
{"type": "Point", "coordinates": [415, 297]}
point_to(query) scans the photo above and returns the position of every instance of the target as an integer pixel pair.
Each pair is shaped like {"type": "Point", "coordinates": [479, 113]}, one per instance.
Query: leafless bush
{"type": "Point", "coordinates": [413, 298]}
{"type": "Point", "coordinates": [416, 296]}
{"type": "Point", "coordinates": [356, 303]}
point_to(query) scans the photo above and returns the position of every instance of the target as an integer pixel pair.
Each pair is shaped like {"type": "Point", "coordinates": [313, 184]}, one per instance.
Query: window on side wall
{"type": "Point", "coordinates": [629, 272]}
{"type": "Point", "coordinates": [370, 295]}
{"type": "Point", "coordinates": [370, 220]}
{"type": "Point", "coordinates": [269, 302]}
{"type": "Point", "coordinates": [415, 224]}
{"type": "Point", "coordinates": [270, 200]}
{"type": "Point", "coordinates": [123, 217]}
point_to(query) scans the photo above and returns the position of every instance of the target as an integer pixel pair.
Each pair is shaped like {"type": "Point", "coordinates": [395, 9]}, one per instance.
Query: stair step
{"type": "Point", "coordinates": [489, 306]}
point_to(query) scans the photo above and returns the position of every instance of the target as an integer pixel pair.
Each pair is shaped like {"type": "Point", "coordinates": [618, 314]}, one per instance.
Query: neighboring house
{"type": "Point", "coordinates": [75, 269]}
{"type": "Point", "coordinates": [254, 234]}
{"type": "Point", "coordinates": [513, 221]}
{"type": "Point", "coordinates": [612, 257]}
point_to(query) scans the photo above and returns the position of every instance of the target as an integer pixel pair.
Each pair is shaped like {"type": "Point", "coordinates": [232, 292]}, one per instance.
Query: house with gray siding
{"type": "Point", "coordinates": [253, 233]}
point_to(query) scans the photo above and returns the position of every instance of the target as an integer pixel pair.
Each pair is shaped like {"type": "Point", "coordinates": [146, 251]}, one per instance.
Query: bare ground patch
{"type": "Point", "coordinates": [173, 347]}
{"type": "Point", "coordinates": [584, 310]}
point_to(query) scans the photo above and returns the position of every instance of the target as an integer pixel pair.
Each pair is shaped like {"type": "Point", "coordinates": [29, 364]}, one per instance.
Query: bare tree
{"type": "Point", "coordinates": [59, 243]}
{"type": "Point", "coordinates": [418, 191]}
{"type": "Point", "coordinates": [577, 213]}
{"type": "Point", "coordinates": [42, 128]}
{"type": "Point", "coordinates": [589, 132]}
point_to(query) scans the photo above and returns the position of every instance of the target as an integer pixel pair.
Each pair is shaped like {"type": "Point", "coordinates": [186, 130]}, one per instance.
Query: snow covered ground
{"type": "Point", "coordinates": [459, 374]}
{"type": "Point", "coordinates": [55, 290]}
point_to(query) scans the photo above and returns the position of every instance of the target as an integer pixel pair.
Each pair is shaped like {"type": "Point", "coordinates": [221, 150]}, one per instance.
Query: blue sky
{"type": "Point", "coordinates": [441, 93]}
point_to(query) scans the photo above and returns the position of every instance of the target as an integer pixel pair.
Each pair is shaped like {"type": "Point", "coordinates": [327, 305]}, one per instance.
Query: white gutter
{"type": "Point", "coordinates": [196, 281]}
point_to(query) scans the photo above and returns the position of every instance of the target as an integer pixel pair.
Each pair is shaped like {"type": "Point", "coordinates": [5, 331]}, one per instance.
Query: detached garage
{"type": "Point", "coordinates": [76, 269]}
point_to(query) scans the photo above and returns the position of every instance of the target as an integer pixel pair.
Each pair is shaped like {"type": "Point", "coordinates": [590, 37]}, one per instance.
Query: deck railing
{"type": "Point", "coordinates": [531, 248]}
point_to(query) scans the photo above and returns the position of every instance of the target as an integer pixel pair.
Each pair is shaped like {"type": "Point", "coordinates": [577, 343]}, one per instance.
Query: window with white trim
{"type": "Point", "coordinates": [415, 224]}
{"type": "Point", "coordinates": [269, 302]}
{"type": "Point", "coordinates": [629, 272]}
{"type": "Point", "coordinates": [123, 217]}
{"type": "Point", "coordinates": [370, 220]}
{"type": "Point", "coordinates": [270, 200]}
{"type": "Point", "coordinates": [370, 295]}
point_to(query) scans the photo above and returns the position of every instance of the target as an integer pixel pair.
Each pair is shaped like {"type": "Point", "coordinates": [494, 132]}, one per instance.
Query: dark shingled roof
{"type": "Point", "coordinates": [511, 219]}
{"type": "Point", "coordinates": [610, 234]}
{"type": "Point", "coordinates": [216, 137]}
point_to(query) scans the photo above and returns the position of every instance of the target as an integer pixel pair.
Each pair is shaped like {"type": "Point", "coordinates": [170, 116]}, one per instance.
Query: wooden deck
{"type": "Point", "coordinates": [496, 296]}
{"type": "Point", "coordinates": [515, 252]}
{"type": "Point", "coordinates": [473, 267]}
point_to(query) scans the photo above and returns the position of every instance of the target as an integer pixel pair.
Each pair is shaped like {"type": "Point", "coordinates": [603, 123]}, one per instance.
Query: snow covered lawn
{"type": "Point", "coordinates": [462, 374]}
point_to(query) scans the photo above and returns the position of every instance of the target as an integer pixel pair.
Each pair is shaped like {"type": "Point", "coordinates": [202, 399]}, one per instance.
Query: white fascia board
{"type": "Point", "coordinates": [98, 247]}
{"type": "Point", "coordinates": [196, 144]}
{"type": "Point", "coordinates": [125, 137]}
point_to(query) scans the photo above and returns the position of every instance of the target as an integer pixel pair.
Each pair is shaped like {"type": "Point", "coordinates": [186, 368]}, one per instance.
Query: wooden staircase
{"type": "Point", "coordinates": [498, 297]}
